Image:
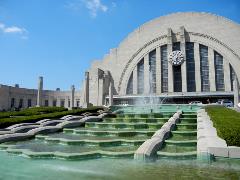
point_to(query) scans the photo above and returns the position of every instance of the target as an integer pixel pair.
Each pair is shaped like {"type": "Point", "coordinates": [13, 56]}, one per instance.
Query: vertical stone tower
{"type": "Point", "coordinates": [72, 96]}
{"type": "Point", "coordinates": [40, 89]}
{"type": "Point", "coordinates": [86, 90]}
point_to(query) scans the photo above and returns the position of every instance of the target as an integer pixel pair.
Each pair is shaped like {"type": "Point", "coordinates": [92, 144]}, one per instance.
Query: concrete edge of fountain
{"type": "Point", "coordinates": [209, 144]}
{"type": "Point", "coordinates": [70, 156]}
{"type": "Point", "coordinates": [148, 150]}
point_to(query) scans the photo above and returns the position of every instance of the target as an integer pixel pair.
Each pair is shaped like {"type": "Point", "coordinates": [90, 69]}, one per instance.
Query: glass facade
{"type": "Point", "coordinates": [232, 76]}
{"type": "Point", "coordinates": [191, 84]}
{"type": "Point", "coordinates": [219, 72]}
{"type": "Point", "coordinates": [164, 69]}
{"type": "Point", "coordinates": [204, 68]}
{"type": "Point", "coordinates": [152, 69]}
{"type": "Point", "coordinates": [177, 75]}
{"type": "Point", "coordinates": [140, 77]}
{"type": "Point", "coordinates": [130, 85]}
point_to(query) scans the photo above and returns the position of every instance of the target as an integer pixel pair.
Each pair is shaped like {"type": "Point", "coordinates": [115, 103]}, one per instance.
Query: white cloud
{"type": "Point", "coordinates": [13, 30]}
{"type": "Point", "coordinates": [94, 6]}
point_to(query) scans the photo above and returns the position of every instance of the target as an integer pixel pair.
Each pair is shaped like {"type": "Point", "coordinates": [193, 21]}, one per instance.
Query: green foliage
{"type": "Point", "coordinates": [36, 114]}
{"type": "Point", "coordinates": [32, 111]}
{"type": "Point", "coordinates": [227, 123]}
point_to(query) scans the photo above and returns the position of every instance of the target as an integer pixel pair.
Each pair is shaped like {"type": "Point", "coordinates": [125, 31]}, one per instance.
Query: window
{"type": "Point", "coordinates": [191, 84]}
{"type": "Point", "coordinates": [12, 102]}
{"type": "Point", "coordinates": [62, 103]}
{"type": "Point", "coordinates": [69, 103]}
{"type": "Point", "coordinates": [78, 103]}
{"type": "Point", "coordinates": [204, 68]}
{"type": "Point", "coordinates": [219, 72]}
{"type": "Point", "coordinates": [164, 68]}
{"type": "Point", "coordinates": [140, 76]}
{"type": "Point", "coordinates": [177, 75]}
{"type": "Point", "coordinates": [20, 103]}
{"type": "Point", "coordinates": [46, 103]}
{"type": "Point", "coordinates": [232, 76]}
{"type": "Point", "coordinates": [54, 102]}
{"type": "Point", "coordinates": [152, 69]}
{"type": "Point", "coordinates": [130, 85]}
{"type": "Point", "coordinates": [176, 46]}
{"type": "Point", "coordinates": [29, 102]}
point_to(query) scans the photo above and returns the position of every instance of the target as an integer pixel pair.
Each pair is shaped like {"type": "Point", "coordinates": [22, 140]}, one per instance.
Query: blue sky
{"type": "Point", "coordinates": [58, 39]}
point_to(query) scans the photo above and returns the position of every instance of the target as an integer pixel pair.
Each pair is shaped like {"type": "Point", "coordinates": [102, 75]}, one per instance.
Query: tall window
{"type": "Point", "coordinates": [12, 102]}
{"type": "Point", "coordinates": [176, 46]}
{"type": "Point", "coordinates": [232, 76]}
{"type": "Point", "coordinates": [152, 69]}
{"type": "Point", "coordinates": [29, 102]}
{"type": "Point", "coordinates": [164, 68]}
{"type": "Point", "coordinates": [46, 103]}
{"type": "Point", "coordinates": [55, 102]}
{"type": "Point", "coordinates": [78, 102]}
{"type": "Point", "coordinates": [20, 103]}
{"type": "Point", "coordinates": [191, 84]}
{"type": "Point", "coordinates": [62, 103]}
{"type": "Point", "coordinates": [177, 75]}
{"type": "Point", "coordinates": [219, 72]}
{"type": "Point", "coordinates": [204, 68]}
{"type": "Point", "coordinates": [140, 75]}
{"type": "Point", "coordinates": [130, 85]}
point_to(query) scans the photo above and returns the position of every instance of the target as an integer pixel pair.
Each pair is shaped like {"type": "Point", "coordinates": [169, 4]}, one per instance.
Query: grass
{"type": "Point", "coordinates": [37, 113]}
{"type": "Point", "coordinates": [227, 123]}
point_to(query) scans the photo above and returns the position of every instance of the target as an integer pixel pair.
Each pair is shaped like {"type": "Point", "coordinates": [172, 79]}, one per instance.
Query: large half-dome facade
{"type": "Point", "coordinates": [182, 55]}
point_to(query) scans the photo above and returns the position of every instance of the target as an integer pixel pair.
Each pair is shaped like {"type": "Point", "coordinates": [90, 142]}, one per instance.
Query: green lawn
{"type": "Point", "coordinates": [38, 113]}
{"type": "Point", "coordinates": [227, 123]}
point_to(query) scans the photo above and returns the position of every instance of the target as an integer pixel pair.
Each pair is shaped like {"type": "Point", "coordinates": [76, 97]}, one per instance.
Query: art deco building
{"type": "Point", "coordinates": [173, 59]}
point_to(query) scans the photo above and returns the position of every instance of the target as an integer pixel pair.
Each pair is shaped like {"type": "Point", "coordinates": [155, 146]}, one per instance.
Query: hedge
{"type": "Point", "coordinates": [32, 111]}
{"type": "Point", "coordinates": [227, 123]}
{"type": "Point", "coordinates": [5, 122]}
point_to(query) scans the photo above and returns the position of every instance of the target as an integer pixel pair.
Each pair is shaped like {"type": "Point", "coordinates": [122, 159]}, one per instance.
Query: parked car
{"type": "Point", "coordinates": [225, 102]}
{"type": "Point", "coordinates": [196, 102]}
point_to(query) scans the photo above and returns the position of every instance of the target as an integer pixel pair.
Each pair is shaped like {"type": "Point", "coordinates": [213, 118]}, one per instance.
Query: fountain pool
{"type": "Point", "coordinates": [118, 137]}
{"type": "Point", "coordinates": [14, 167]}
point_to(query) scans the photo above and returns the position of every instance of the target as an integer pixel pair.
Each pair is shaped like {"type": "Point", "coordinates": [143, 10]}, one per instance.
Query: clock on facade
{"type": "Point", "coordinates": [176, 58]}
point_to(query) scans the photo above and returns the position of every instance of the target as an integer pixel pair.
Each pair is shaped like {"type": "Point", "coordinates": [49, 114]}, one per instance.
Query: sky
{"type": "Point", "coordinates": [58, 39]}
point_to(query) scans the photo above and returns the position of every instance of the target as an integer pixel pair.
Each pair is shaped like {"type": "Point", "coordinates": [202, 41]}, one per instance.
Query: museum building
{"type": "Point", "coordinates": [176, 58]}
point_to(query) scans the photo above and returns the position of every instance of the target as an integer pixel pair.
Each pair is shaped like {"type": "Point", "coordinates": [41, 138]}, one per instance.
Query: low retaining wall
{"type": "Point", "coordinates": [148, 150]}
{"type": "Point", "coordinates": [209, 145]}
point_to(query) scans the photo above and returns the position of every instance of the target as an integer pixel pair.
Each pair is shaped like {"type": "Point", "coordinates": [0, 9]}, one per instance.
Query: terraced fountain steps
{"type": "Point", "coordinates": [183, 135]}
{"type": "Point", "coordinates": [136, 120]}
{"type": "Point", "coordinates": [186, 126]}
{"type": "Point", "coordinates": [189, 115]}
{"type": "Point", "coordinates": [67, 136]}
{"type": "Point", "coordinates": [152, 115]}
{"type": "Point", "coordinates": [124, 125]}
{"type": "Point", "coordinates": [41, 149]}
{"type": "Point", "coordinates": [110, 132]}
{"type": "Point", "coordinates": [182, 142]}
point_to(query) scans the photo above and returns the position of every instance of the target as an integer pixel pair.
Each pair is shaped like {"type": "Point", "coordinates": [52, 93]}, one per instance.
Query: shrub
{"type": "Point", "coordinates": [32, 111]}
{"type": "Point", "coordinates": [227, 123]}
